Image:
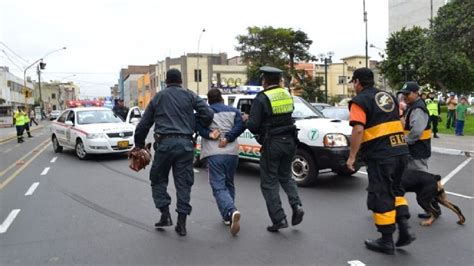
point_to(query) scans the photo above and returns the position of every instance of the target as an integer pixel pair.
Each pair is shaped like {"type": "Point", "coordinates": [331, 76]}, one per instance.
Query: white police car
{"type": "Point", "coordinates": [94, 130]}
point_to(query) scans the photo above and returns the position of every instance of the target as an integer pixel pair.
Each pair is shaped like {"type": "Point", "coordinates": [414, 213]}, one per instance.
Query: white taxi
{"type": "Point", "coordinates": [94, 130]}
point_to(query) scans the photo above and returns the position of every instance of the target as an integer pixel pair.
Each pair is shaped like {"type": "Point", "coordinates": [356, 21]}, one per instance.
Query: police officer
{"type": "Point", "coordinates": [120, 109]}
{"type": "Point", "coordinates": [172, 112]}
{"type": "Point", "coordinates": [378, 134]}
{"type": "Point", "coordinates": [270, 119]}
{"type": "Point", "coordinates": [26, 119]}
{"type": "Point", "coordinates": [434, 109]}
{"type": "Point", "coordinates": [19, 121]}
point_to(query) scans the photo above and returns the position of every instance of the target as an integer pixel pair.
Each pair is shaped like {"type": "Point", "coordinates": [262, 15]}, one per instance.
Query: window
{"type": "Point", "coordinates": [62, 118]}
{"type": "Point", "coordinates": [70, 117]}
{"type": "Point", "coordinates": [53, 95]}
{"type": "Point", "coordinates": [197, 75]}
{"type": "Point", "coordinates": [341, 80]}
{"type": "Point", "coordinates": [244, 105]}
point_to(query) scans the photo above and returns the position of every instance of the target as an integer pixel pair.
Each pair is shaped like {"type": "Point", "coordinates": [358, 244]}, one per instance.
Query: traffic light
{"type": "Point", "coordinates": [42, 65]}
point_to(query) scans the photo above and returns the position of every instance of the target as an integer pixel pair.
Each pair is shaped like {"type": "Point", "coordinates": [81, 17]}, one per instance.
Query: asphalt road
{"type": "Point", "coordinates": [100, 212]}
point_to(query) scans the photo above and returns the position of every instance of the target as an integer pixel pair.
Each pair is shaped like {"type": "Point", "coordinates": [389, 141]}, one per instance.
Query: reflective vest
{"type": "Point", "coordinates": [26, 117]}
{"type": "Point", "coordinates": [383, 131]}
{"type": "Point", "coordinates": [280, 101]}
{"type": "Point", "coordinates": [432, 106]}
{"type": "Point", "coordinates": [421, 149]}
{"type": "Point", "coordinates": [19, 118]}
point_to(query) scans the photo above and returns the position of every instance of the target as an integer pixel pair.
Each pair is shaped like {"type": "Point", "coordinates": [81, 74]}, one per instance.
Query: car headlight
{"type": "Point", "coordinates": [335, 140]}
{"type": "Point", "coordinates": [96, 136]}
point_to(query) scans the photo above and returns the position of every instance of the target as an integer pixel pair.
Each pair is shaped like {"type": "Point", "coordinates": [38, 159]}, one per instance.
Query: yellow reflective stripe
{"type": "Point", "coordinates": [385, 218]}
{"type": "Point", "coordinates": [280, 100]}
{"type": "Point", "coordinates": [382, 130]}
{"type": "Point", "coordinates": [424, 136]}
{"type": "Point", "coordinates": [399, 201]}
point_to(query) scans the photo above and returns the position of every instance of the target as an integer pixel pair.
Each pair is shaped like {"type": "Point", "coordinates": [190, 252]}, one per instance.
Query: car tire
{"type": "Point", "coordinates": [304, 169]}
{"type": "Point", "coordinates": [80, 150]}
{"type": "Point", "coordinates": [56, 146]}
{"type": "Point", "coordinates": [345, 172]}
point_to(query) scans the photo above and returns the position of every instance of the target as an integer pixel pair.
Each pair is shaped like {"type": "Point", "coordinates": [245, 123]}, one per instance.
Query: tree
{"type": "Point", "coordinates": [311, 89]}
{"type": "Point", "coordinates": [277, 47]}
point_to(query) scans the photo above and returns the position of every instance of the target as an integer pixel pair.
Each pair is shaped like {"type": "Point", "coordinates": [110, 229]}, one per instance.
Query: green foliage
{"type": "Point", "coordinates": [311, 89]}
{"type": "Point", "coordinates": [443, 55]}
{"type": "Point", "coordinates": [277, 47]}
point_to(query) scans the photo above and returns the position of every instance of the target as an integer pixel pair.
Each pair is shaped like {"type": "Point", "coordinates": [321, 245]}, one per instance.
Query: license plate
{"type": "Point", "coordinates": [122, 144]}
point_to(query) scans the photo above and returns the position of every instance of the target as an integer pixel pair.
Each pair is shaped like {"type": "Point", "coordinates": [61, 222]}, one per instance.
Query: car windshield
{"type": "Point", "coordinates": [304, 110]}
{"type": "Point", "coordinates": [97, 117]}
{"type": "Point", "coordinates": [336, 113]}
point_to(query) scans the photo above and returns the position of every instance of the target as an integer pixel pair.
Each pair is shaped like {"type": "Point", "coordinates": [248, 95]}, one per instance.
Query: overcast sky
{"type": "Point", "coordinates": [103, 36]}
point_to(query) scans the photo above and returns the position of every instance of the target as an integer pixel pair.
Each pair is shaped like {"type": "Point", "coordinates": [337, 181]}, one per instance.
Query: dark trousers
{"type": "Point", "coordinates": [275, 170]}
{"type": "Point", "coordinates": [459, 127]}
{"type": "Point", "coordinates": [434, 123]}
{"type": "Point", "coordinates": [385, 192]}
{"type": "Point", "coordinates": [19, 132]}
{"type": "Point", "coordinates": [33, 120]}
{"type": "Point", "coordinates": [176, 154]}
{"type": "Point", "coordinates": [450, 120]}
{"type": "Point", "coordinates": [27, 128]}
{"type": "Point", "coordinates": [221, 177]}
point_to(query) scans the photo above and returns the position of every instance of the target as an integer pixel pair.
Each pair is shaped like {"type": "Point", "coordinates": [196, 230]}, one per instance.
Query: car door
{"type": "Point", "coordinates": [248, 146]}
{"type": "Point", "coordinates": [60, 128]}
{"type": "Point", "coordinates": [134, 116]}
{"type": "Point", "coordinates": [69, 138]}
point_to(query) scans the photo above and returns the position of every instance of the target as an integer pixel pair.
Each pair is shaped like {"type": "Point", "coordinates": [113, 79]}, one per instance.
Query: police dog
{"type": "Point", "coordinates": [429, 192]}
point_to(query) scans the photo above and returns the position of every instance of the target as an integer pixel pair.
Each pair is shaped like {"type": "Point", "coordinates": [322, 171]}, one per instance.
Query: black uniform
{"type": "Point", "coordinates": [122, 112]}
{"type": "Point", "coordinates": [385, 153]}
{"type": "Point", "coordinates": [270, 119]}
{"type": "Point", "coordinates": [172, 112]}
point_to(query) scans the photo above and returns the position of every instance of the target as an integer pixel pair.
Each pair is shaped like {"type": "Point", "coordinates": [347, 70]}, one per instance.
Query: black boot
{"type": "Point", "coordinates": [181, 225]}
{"type": "Point", "coordinates": [404, 236]}
{"type": "Point", "coordinates": [165, 219]}
{"type": "Point", "coordinates": [275, 227]}
{"type": "Point", "coordinates": [297, 216]}
{"type": "Point", "coordinates": [382, 245]}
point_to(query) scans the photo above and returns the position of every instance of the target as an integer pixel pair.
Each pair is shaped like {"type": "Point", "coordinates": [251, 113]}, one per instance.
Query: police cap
{"type": "Point", "coordinates": [270, 71]}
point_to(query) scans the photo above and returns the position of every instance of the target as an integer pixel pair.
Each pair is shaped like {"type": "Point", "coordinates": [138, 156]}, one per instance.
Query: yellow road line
{"type": "Point", "coordinates": [11, 177]}
{"type": "Point", "coordinates": [23, 157]}
{"type": "Point", "coordinates": [11, 137]}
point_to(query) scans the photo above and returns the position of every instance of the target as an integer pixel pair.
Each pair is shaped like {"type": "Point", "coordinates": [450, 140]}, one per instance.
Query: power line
{"type": "Point", "coordinates": [9, 59]}
{"type": "Point", "coordinates": [13, 52]}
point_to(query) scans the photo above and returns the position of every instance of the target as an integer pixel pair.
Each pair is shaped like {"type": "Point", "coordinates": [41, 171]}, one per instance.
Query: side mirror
{"type": "Point", "coordinates": [69, 123]}
{"type": "Point", "coordinates": [134, 121]}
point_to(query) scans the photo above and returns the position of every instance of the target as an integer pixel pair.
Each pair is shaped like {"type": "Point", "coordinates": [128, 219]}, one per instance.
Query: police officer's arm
{"type": "Point", "coordinates": [237, 129]}
{"type": "Point", "coordinates": [204, 113]}
{"type": "Point", "coordinates": [357, 121]}
{"type": "Point", "coordinates": [254, 121]}
{"type": "Point", "coordinates": [418, 122]}
{"type": "Point", "coordinates": [203, 131]}
{"type": "Point", "coordinates": [141, 131]}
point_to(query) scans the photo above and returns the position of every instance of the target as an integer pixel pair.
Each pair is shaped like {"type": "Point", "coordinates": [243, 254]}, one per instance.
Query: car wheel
{"type": "Point", "coordinates": [56, 146]}
{"type": "Point", "coordinates": [345, 172]}
{"type": "Point", "coordinates": [80, 150]}
{"type": "Point", "coordinates": [304, 168]}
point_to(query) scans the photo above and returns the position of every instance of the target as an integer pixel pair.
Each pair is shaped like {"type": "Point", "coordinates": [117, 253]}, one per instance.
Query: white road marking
{"type": "Point", "coordinates": [32, 189]}
{"type": "Point", "coordinates": [54, 159]}
{"type": "Point", "coordinates": [195, 170]}
{"type": "Point", "coordinates": [455, 171]}
{"type": "Point", "coordinates": [7, 150]}
{"type": "Point", "coordinates": [362, 172]}
{"type": "Point", "coordinates": [356, 263]}
{"type": "Point", "coordinates": [4, 226]}
{"type": "Point", "coordinates": [459, 195]}
{"type": "Point", "coordinates": [45, 171]}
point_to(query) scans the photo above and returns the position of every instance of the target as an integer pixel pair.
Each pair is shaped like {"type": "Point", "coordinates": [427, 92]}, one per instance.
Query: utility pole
{"type": "Point", "coordinates": [198, 71]}
{"type": "Point", "coordinates": [38, 71]}
{"type": "Point", "coordinates": [366, 41]}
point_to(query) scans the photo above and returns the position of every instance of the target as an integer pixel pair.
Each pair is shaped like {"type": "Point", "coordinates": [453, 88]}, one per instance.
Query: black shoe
{"type": "Point", "coordinates": [181, 224]}
{"type": "Point", "coordinates": [404, 236]}
{"type": "Point", "coordinates": [275, 227]}
{"type": "Point", "coordinates": [424, 215]}
{"type": "Point", "coordinates": [165, 220]}
{"type": "Point", "coordinates": [380, 245]}
{"type": "Point", "coordinates": [297, 216]}
{"type": "Point", "coordinates": [436, 136]}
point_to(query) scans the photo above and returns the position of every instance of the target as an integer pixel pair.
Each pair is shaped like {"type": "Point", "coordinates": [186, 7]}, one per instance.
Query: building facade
{"type": "Point", "coordinates": [55, 94]}
{"type": "Point", "coordinates": [409, 13]}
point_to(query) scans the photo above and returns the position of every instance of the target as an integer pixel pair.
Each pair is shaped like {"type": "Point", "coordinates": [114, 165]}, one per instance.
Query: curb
{"type": "Point", "coordinates": [452, 151]}
{"type": "Point", "coordinates": [14, 136]}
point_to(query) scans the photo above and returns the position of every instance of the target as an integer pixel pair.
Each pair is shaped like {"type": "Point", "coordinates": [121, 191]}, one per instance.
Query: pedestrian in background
{"type": "Point", "coordinates": [219, 145]}
{"type": "Point", "coordinates": [270, 119]}
{"type": "Point", "coordinates": [451, 115]}
{"type": "Point", "coordinates": [32, 117]}
{"type": "Point", "coordinates": [434, 110]}
{"type": "Point", "coordinates": [378, 134]}
{"type": "Point", "coordinates": [461, 110]}
{"type": "Point", "coordinates": [172, 112]}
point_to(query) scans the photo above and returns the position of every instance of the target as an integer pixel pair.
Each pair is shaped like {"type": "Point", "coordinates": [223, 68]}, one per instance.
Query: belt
{"type": "Point", "coordinates": [159, 137]}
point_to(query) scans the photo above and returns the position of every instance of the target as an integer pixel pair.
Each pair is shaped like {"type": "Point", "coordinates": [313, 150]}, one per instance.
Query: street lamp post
{"type": "Point", "coordinates": [406, 69]}
{"type": "Point", "coordinates": [327, 58]}
{"type": "Point", "coordinates": [38, 70]}
{"type": "Point", "coordinates": [198, 71]}
{"type": "Point", "coordinates": [366, 41]}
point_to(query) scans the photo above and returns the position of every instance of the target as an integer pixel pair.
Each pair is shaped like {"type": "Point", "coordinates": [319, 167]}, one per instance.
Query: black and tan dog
{"type": "Point", "coordinates": [429, 192]}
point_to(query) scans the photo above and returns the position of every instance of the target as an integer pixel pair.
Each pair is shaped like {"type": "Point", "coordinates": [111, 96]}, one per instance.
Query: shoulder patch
{"type": "Point", "coordinates": [384, 101]}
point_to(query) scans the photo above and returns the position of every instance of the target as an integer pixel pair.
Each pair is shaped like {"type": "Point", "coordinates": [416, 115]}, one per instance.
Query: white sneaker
{"type": "Point", "coordinates": [235, 224]}
{"type": "Point", "coordinates": [226, 222]}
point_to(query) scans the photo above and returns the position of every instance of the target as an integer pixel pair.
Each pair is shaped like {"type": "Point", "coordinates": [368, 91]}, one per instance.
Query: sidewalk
{"type": "Point", "coordinates": [8, 133]}
{"type": "Point", "coordinates": [453, 145]}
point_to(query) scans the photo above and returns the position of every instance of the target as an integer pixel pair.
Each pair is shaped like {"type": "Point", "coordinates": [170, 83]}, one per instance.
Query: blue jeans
{"type": "Point", "coordinates": [176, 154]}
{"type": "Point", "coordinates": [459, 127]}
{"type": "Point", "coordinates": [221, 177]}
